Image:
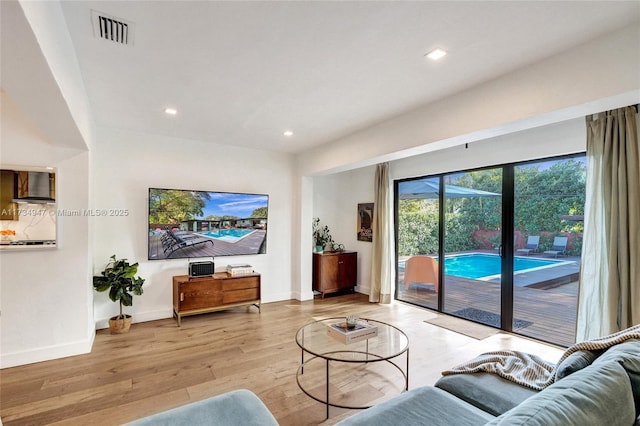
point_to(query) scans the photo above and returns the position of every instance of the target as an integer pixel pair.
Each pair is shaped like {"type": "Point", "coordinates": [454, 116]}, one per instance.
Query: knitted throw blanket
{"type": "Point", "coordinates": [530, 370]}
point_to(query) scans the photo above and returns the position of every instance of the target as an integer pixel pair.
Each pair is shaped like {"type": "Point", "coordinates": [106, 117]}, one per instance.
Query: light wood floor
{"type": "Point", "coordinates": [158, 366]}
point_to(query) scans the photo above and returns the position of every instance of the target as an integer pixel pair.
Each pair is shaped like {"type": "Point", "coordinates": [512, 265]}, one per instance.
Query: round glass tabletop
{"type": "Point", "coordinates": [317, 339]}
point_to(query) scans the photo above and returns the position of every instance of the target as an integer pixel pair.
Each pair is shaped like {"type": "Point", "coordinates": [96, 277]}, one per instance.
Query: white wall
{"type": "Point", "coordinates": [46, 293]}
{"type": "Point", "coordinates": [335, 202]}
{"type": "Point", "coordinates": [41, 73]}
{"type": "Point", "coordinates": [50, 29]}
{"type": "Point", "coordinates": [127, 164]}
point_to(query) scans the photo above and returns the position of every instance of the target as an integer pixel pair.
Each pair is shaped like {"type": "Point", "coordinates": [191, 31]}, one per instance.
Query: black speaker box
{"type": "Point", "coordinates": [201, 269]}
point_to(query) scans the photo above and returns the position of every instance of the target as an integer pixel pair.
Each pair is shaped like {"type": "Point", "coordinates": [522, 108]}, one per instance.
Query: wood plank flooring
{"type": "Point", "coordinates": [158, 366]}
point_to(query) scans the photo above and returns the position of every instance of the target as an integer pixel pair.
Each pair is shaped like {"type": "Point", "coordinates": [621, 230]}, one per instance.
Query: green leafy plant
{"type": "Point", "coordinates": [119, 278]}
{"type": "Point", "coordinates": [321, 234]}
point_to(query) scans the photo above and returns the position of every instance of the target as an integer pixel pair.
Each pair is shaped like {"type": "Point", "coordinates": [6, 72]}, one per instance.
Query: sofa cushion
{"type": "Point", "coordinates": [426, 405]}
{"type": "Point", "coordinates": [574, 362]}
{"type": "Point", "coordinates": [241, 407]}
{"type": "Point", "coordinates": [596, 395]}
{"type": "Point", "coordinates": [487, 391]}
{"type": "Point", "coordinates": [628, 355]}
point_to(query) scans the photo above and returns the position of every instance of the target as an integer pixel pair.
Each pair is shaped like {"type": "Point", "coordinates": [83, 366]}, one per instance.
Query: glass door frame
{"type": "Point", "coordinates": [507, 248]}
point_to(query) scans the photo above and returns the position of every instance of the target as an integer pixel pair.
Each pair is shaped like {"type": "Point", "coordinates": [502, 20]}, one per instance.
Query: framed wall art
{"type": "Point", "coordinates": [365, 222]}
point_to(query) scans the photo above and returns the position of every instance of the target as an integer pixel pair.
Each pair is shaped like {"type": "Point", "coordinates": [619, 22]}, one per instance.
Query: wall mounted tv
{"type": "Point", "coordinates": [190, 224]}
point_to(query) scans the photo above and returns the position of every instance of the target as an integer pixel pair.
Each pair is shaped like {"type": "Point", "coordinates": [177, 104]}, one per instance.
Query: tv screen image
{"type": "Point", "coordinates": [189, 224]}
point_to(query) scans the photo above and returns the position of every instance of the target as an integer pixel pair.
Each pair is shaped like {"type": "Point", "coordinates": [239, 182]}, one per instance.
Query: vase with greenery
{"type": "Point", "coordinates": [321, 236]}
{"type": "Point", "coordinates": [119, 278]}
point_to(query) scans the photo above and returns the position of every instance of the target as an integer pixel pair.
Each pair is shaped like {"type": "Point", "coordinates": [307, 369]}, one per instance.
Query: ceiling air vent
{"type": "Point", "coordinates": [111, 28]}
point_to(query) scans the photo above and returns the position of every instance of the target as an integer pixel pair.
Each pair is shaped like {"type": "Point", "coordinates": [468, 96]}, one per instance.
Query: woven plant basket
{"type": "Point", "coordinates": [119, 325]}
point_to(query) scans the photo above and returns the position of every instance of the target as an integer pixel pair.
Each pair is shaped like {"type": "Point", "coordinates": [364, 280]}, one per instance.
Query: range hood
{"type": "Point", "coordinates": [33, 187]}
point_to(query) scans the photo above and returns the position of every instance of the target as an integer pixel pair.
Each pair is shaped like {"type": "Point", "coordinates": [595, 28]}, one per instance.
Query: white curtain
{"type": "Point", "coordinates": [609, 299]}
{"type": "Point", "coordinates": [381, 271]}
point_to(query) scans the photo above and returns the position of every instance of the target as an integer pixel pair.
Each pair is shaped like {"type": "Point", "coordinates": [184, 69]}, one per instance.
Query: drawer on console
{"type": "Point", "coordinates": [240, 283]}
{"type": "Point", "coordinates": [199, 295]}
{"type": "Point", "coordinates": [239, 296]}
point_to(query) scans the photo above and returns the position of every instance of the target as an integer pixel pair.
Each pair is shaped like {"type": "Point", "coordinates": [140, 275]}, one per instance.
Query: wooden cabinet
{"type": "Point", "coordinates": [335, 271]}
{"type": "Point", "coordinates": [8, 209]}
{"type": "Point", "coordinates": [192, 296]}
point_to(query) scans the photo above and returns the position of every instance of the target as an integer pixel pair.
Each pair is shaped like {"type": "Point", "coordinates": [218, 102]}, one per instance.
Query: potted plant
{"type": "Point", "coordinates": [321, 236]}
{"type": "Point", "coordinates": [119, 278]}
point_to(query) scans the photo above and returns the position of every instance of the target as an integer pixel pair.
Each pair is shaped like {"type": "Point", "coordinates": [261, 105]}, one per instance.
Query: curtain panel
{"type": "Point", "coordinates": [609, 298]}
{"type": "Point", "coordinates": [381, 271]}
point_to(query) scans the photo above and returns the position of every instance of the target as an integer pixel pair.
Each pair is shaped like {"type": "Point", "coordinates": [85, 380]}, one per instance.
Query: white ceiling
{"type": "Point", "coordinates": [243, 72]}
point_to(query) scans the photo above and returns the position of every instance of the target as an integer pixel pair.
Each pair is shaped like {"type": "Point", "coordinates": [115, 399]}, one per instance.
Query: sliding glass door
{"type": "Point", "coordinates": [499, 246]}
{"type": "Point", "coordinates": [549, 199]}
{"type": "Point", "coordinates": [472, 262]}
{"type": "Point", "coordinates": [418, 239]}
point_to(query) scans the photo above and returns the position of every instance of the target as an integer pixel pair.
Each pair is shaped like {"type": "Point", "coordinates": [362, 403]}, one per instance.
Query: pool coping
{"type": "Point", "coordinates": [227, 238]}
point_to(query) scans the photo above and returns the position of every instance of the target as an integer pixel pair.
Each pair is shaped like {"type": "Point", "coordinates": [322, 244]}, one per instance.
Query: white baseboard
{"type": "Point", "coordinates": [302, 296]}
{"type": "Point", "coordinates": [278, 297]}
{"type": "Point", "coordinates": [362, 289]}
{"type": "Point", "coordinates": [139, 317]}
{"type": "Point", "coordinates": [46, 353]}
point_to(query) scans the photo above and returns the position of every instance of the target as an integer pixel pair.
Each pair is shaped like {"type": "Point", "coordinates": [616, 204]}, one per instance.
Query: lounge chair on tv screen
{"type": "Point", "coordinates": [172, 242]}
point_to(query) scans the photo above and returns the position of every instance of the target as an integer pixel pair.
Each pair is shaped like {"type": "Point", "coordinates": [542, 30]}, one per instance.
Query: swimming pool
{"type": "Point", "coordinates": [480, 266]}
{"type": "Point", "coordinates": [230, 235]}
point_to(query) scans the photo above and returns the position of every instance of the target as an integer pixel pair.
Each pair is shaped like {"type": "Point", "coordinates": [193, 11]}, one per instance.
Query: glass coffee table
{"type": "Point", "coordinates": [388, 346]}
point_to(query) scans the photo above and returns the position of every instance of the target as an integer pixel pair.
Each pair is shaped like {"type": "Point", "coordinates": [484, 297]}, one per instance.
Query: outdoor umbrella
{"type": "Point", "coordinates": [427, 189]}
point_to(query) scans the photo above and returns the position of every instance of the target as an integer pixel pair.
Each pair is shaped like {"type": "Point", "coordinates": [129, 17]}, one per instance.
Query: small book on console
{"type": "Point", "coordinates": [361, 331]}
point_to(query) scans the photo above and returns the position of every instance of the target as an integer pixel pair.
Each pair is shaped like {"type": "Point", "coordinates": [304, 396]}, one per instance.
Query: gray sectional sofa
{"type": "Point", "coordinates": [591, 388]}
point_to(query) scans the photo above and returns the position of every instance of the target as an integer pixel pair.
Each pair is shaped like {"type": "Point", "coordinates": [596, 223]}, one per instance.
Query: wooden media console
{"type": "Point", "coordinates": [192, 296]}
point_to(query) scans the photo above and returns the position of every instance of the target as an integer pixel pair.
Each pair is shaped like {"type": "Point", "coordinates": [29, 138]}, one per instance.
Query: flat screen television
{"type": "Point", "coordinates": [191, 224]}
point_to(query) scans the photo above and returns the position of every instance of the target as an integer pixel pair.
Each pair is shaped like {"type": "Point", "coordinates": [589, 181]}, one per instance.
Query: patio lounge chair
{"type": "Point", "coordinates": [172, 242]}
{"type": "Point", "coordinates": [421, 271]}
{"type": "Point", "coordinates": [559, 246]}
{"type": "Point", "coordinates": [531, 246]}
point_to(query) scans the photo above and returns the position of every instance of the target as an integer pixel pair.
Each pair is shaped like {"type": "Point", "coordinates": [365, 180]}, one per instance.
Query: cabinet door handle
{"type": "Point", "coordinates": [182, 297]}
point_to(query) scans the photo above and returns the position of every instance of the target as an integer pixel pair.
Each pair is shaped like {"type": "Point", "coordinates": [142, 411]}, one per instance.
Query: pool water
{"type": "Point", "coordinates": [231, 235]}
{"type": "Point", "coordinates": [484, 266]}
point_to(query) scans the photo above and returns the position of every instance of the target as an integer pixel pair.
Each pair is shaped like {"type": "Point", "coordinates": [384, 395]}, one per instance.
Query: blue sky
{"type": "Point", "coordinates": [230, 204]}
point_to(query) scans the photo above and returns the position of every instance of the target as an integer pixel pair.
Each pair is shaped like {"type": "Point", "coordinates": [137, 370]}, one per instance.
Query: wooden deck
{"type": "Point", "coordinates": [248, 245]}
{"type": "Point", "coordinates": [552, 311]}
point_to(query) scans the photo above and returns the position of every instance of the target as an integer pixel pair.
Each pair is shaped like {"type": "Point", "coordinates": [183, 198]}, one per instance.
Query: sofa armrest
{"type": "Point", "coordinates": [421, 406]}
{"type": "Point", "coordinates": [241, 407]}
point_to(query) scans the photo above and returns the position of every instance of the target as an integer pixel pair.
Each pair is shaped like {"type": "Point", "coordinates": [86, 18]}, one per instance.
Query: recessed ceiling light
{"type": "Point", "coordinates": [436, 54]}
{"type": "Point", "coordinates": [171, 111]}
{"type": "Point", "coordinates": [288, 133]}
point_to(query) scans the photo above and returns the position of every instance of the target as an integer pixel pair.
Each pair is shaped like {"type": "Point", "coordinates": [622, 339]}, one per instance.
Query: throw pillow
{"type": "Point", "coordinates": [574, 362]}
